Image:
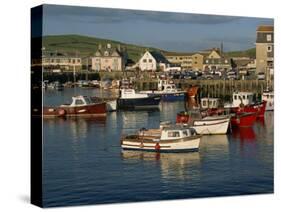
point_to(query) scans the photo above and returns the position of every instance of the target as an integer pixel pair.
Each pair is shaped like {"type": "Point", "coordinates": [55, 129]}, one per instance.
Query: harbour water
{"type": "Point", "coordinates": [84, 164]}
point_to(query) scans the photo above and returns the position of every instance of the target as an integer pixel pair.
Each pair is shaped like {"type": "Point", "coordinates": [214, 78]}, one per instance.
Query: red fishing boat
{"type": "Point", "coordinates": [243, 119]}
{"type": "Point", "coordinates": [258, 108]}
{"type": "Point", "coordinates": [80, 106]}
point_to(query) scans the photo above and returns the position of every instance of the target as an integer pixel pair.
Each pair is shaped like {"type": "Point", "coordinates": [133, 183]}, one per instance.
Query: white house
{"type": "Point", "coordinates": [152, 61]}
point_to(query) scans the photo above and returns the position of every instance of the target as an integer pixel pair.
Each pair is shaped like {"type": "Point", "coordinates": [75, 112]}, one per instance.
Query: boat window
{"type": "Point", "coordinates": [243, 97]}
{"type": "Point", "coordinates": [185, 133]}
{"type": "Point", "coordinates": [204, 103]}
{"type": "Point", "coordinates": [271, 96]}
{"type": "Point", "coordinates": [174, 134]}
{"type": "Point", "coordinates": [87, 100]}
{"type": "Point", "coordinates": [79, 102]}
{"type": "Point", "coordinates": [235, 97]}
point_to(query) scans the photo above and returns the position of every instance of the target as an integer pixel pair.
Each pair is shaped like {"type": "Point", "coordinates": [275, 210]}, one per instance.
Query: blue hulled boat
{"type": "Point", "coordinates": [168, 91]}
{"type": "Point", "coordinates": [129, 99]}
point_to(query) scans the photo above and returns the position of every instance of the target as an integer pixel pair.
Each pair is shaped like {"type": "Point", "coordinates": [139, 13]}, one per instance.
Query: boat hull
{"type": "Point", "coordinates": [167, 96]}
{"type": "Point", "coordinates": [211, 127]}
{"type": "Point", "coordinates": [179, 145]}
{"type": "Point", "coordinates": [111, 105]}
{"type": "Point", "coordinates": [98, 109]}
{"type": "Point", "coordinates": [139, 103]}
{"type": "Point", "coordinates": [243, 120]}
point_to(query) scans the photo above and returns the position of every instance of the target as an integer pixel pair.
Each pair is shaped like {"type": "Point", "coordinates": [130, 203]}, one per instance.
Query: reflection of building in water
{"type": "Point", "coordinates": [78, 126]}
{"type": "Point", "coordinates": [173, 165]}
{"type": "Point", "coordinates": [215, 143]}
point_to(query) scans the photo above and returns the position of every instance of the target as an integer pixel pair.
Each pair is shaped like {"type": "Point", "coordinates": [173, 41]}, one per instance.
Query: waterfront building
{"type": "Point", "coordinates": [152, 61]}
{"type": "Point", "coordinates": [265, 49]}
{"type": "Point", "coordinates": [108, 58]}
{"type": "Point", "coordinates": [55, 61]}
{"type": "Point", "coordinates": [215, 60]}
{"type": "Point", "coordinates": [184, 60]}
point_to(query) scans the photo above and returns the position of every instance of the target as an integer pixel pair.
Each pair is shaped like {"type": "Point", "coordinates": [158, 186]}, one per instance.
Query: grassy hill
{"type": "Point", "coordinates": [247, 53]}
{"type": "Point", "coordinates": [86, 46]}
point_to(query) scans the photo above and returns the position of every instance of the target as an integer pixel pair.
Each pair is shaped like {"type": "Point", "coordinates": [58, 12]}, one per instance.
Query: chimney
{"type": "Point", "coordinates": [119, 47]}
{"type": "Point", "coordinates": [108, 45]}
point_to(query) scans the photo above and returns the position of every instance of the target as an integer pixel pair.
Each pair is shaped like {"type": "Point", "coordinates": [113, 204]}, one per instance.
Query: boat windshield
{"type": "Point", "coordinates": [88, 100]}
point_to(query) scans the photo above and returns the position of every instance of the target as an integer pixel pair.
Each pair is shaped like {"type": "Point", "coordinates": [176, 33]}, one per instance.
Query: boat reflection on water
{"type": "Point", "coordinates": [134, 120]}
{"type": "Point", "coordinates": [79, 127]}
{"type": "Point", "coordinates": [191, 103]}
{"type": "Point", "coordinates": [173, 165]}
{"type": "Point", "coordinates": [216, 144]}
{"type": "Point", "coordinates": [244, 134]}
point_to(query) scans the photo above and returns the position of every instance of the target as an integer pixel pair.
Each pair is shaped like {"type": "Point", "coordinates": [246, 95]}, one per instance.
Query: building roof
{"type": "Point", "coordinates": [159, 57]}
{"type": "Point", "coordinates": [265, 28]}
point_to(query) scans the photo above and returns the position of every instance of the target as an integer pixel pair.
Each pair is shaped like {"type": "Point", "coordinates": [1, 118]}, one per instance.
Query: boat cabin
{"type": "Point", "coordinates": [79, 101]}
{"type": "Point", "coordinates": [172, 133]}
{"type": "Point", "coordinates": [212, 103]}
{"type": "Point", "coordinates": [131, 94]}
{"type": "Point", "coordinates": [245, 98]}
{"type": "Point", "coordinates": [268, 96]}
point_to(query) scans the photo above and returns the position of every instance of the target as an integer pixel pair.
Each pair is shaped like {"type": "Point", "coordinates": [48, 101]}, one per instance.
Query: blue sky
{"type": "Point", "coordinates": [168, 31]}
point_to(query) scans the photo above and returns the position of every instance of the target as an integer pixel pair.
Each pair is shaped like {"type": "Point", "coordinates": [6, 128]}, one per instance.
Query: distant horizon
{"type": "Point", "coordinates": [178, 32]}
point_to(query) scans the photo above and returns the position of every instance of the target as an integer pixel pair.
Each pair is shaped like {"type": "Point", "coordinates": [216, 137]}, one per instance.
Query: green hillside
{"type": "Point", "coordinates": [247, 53]}
{"type": "Point", "coordinates": [86, 46]}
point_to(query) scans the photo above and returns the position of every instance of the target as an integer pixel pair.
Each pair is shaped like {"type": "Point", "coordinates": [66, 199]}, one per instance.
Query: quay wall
{"type": "Point", "coordinates": [212, 88]}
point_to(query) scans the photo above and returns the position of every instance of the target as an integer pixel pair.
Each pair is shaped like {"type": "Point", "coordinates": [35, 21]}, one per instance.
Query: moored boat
{"type": "Point", "coordinates": [208, 125]}
{"type": "Point", "coordinates": [80, 106]}
{"type": "Point", "coordinates": [166, 139]}
{"type": "Point", "coordinates": [129, 99]}
{"type": "Point", "coordinates": [244, 119]}
{"type": "Point", "coordinates": [268, 96]}
{"type": "Point", "coordinates": [168, 91]}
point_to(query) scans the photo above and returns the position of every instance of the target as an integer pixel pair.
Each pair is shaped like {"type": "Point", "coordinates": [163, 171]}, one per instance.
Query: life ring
{"type": "Point", "coordinates": [157, 147]}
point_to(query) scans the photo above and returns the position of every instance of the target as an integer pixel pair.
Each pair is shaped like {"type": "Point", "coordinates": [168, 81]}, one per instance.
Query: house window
{"type": "Point", "coordinates": [268, 37]}
{"type": "Point", "coordinates": [144, 60]}
{"type": "Point", "coordinates": [225, 61]}
{"type": "Point", "coordinates": [73, 61]}
{"type": "Point", "coordinates": [78, 60]}
{"type": "Point", "coordinates": [195, 62]}
{"type": "Point", "coordinates": [269, 49]}
{"type": "Point", "coordinates": [150, 60]}
{"type": "Point", "coordinates": [207, 61]}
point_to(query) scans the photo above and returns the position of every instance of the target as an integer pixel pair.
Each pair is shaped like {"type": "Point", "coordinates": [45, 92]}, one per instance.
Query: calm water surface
{"type": "Point", "coordinates": [84, 164]}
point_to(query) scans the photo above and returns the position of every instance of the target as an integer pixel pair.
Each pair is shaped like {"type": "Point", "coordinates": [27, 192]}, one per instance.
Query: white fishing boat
{"type": "Point", "coordinates": [164, 139]}
{"type": "Point", "coordinates": [268, 96]}
{"type": "Point", "coordinates": [209, 125]}
{"type": "Point", "coordinates": [240, 98]}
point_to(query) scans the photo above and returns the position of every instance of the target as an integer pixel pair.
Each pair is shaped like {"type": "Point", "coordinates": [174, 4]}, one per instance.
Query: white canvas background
{"type": "Point", "coordinates": [14, 104]}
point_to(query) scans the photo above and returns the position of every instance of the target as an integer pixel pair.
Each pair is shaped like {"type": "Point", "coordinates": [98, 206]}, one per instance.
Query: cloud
{"type": "Point", "coordinates": [105, 15]}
